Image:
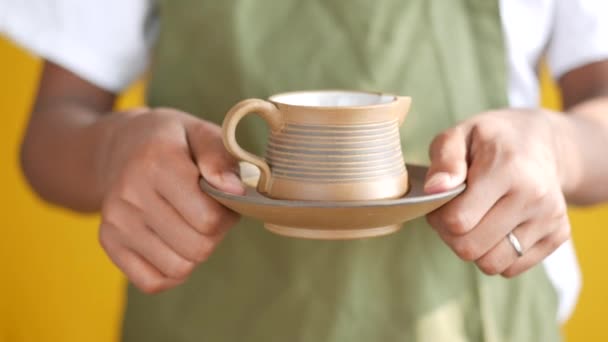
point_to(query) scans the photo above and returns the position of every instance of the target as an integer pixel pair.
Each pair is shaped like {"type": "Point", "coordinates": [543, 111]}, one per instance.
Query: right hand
{"type": "Point", "coordinates": [156, 223]}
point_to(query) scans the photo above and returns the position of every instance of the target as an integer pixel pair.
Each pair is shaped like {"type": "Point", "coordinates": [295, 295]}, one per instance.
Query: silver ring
{"type": "Point", "coordinates": [515, 243]}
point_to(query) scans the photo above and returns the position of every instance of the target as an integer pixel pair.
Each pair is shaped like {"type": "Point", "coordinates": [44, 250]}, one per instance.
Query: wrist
{"type": "Point", "coordinates": [107, 132]}
{"type": "Point", "coordinates": [563, 134]}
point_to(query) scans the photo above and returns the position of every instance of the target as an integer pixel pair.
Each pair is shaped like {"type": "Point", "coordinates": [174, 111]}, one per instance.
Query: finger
{"type": "Point", "coordinates": [137, 110]}
{"type": "Point", "coordinates": [539, 252]}
{"type": "Point", "coordinates": [494, 226]}
{"type": "Point", "coordinates": [135, 235]}
{"type": "Point", "coordinates": [166, 222]}
{"type": "Point", "coordinates": [448, 153]}
{"type": "Point", "coordinates": [179, 187]}
{"type": "Point", "coordinates": [487, 182]}
{"type": "Point", "coordinates": [216, 165]}
{"type": "Point", "coordinates": [503, 255]}
{"type": "Point", "coordinates": [140, 272]}
{"type": "Point", "coordinates": [147, 244]}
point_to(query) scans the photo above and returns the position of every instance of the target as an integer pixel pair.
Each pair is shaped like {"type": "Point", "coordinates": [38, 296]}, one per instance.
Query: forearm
{"type": "Point", "coordinates": [62, 152]}
{"type": "Point", "coordinates": [583, 140]}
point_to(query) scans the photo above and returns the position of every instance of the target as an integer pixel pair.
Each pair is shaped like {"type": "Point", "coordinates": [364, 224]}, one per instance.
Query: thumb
{"type": "Point", "coordinates": [216, 165]}
{"type": "Point", "coordinates": [448, 154]}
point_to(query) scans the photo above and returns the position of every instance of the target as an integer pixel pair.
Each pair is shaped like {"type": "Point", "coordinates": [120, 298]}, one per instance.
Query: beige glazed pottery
{"type": "Point", "coordinates": [332, 219]}
{"type": "Point", "coordinates": [327, 145]}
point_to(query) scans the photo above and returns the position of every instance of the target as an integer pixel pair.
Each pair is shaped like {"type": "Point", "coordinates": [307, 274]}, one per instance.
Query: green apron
{"type": "Point", "coordinates": [449, 56]}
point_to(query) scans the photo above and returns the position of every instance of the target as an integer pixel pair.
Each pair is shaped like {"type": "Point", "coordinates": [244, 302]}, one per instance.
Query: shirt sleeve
{"type": "Point", "coordinates": [580, 35]}
{"type": "Point", "coordinates": [106, 42]}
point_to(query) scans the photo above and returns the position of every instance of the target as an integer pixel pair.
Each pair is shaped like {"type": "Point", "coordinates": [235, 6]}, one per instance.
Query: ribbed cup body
{"type": "Point", "coordinates": [360, 161]}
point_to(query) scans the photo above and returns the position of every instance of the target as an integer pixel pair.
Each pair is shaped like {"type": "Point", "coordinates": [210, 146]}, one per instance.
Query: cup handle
{"type": "Point", "coordinates": [271, 114]}
{"type": "Point", "coordinates": [403, 106]}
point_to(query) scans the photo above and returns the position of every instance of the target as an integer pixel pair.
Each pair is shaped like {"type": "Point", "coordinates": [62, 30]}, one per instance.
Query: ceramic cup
{"type": "Point", "coordinates": [327, 145]}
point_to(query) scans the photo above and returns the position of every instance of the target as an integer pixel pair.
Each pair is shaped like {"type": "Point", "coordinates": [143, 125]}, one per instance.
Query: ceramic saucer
{"type": "Point", "coordinates": [332, 220]}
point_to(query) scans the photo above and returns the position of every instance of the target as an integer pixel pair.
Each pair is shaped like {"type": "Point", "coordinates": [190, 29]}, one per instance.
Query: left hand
{"type": "Point", "coordinates": [510, 160]}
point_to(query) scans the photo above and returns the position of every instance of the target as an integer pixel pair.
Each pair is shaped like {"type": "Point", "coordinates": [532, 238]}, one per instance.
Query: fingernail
{"type": "Point", "coordinates": [232, 181]}
{"type": "Point", "coordinates": [438, 182]}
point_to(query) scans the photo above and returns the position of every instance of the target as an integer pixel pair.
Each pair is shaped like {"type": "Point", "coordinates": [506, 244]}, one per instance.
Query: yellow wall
{"type": "Point", "coordinates": [57, 285]}
{"type": "Point", "coordinates": [55, 282]}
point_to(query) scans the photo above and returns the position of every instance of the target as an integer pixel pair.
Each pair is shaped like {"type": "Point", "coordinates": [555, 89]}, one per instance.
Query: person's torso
{"type": "Point", "coordinates": [447, 55]}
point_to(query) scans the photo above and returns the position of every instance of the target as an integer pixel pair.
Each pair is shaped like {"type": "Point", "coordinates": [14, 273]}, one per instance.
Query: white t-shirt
{"type": "Point", "coordinates": [108, 43]}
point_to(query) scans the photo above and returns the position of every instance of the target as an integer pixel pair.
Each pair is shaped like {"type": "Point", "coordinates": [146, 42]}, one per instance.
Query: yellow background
{"type": "Point", "coordinates": [57, 285]}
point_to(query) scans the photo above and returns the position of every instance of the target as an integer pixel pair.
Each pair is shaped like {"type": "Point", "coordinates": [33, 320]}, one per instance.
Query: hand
{"type": "Point", "coordinates": [511, 162]}
{"type": "Point", "coordinates": [157, 224]}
